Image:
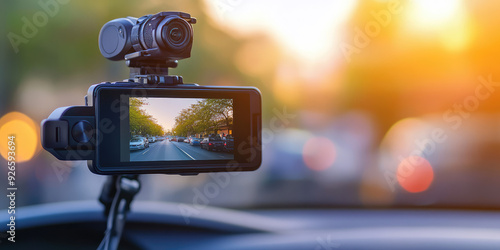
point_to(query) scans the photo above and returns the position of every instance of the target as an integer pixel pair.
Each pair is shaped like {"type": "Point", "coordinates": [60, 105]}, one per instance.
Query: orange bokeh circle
{"type": "Point", "coordinates": [26, 132]}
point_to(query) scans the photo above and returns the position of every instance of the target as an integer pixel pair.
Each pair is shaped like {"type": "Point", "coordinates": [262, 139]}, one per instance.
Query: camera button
{"type": "Point", "coordinates": [82, 131]}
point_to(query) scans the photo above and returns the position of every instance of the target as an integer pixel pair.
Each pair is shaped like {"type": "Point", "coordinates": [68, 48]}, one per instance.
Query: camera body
{"type": "Point", "coordinates": [165, 35]}
{"type": "Point", "coordinates": [101, 132]}
{"type": "Point", "coordinates": [153, 122]}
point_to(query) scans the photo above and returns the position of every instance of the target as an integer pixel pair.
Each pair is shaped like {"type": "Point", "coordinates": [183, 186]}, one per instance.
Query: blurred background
{"type": "Point", "coordinates": [366, 103]}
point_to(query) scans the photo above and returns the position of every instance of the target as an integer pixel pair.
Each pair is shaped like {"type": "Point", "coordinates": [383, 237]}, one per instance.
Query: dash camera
{"type": "Point", "coordinates": [153, 122]}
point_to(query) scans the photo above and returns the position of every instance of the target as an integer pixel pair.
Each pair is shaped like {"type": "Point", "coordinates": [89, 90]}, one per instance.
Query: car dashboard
{"type": "Point", "coordinates": [161, 225]}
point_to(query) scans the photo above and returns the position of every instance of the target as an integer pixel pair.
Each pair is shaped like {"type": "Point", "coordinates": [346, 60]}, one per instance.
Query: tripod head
{"type": "Point", "coordinates": [150, 45]}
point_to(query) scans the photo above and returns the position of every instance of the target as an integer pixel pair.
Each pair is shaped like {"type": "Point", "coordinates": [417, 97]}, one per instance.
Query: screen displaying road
{"type": "Point", "coordinates": [180, 129]}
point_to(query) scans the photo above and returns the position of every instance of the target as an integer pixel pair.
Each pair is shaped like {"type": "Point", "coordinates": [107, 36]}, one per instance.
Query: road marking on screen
{"type": "Point", "coordinates": [185, 152]}
{"type": "Point", "coordinates": [145, 151]}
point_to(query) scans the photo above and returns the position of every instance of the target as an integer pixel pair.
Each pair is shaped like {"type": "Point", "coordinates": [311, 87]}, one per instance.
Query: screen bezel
{"type": "Point", "coordinates": [110, 109]}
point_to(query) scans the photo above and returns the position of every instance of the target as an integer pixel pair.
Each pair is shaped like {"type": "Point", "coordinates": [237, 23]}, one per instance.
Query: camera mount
{"type": "Point", "coordinates": [146, 71]}
{"type": "Point", "coordinates": [116, 196]}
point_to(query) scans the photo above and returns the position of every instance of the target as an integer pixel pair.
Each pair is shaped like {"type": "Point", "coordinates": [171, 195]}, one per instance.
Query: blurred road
{"type": "Point", "coordinates": [176, 151]}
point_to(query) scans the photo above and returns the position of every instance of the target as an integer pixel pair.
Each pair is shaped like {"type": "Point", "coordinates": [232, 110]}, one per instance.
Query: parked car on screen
{"type": "Point", "coordinates": [195, 142]}
{"type": "Point", "coordinates": [160, 138]}
{"type": "Point", "coordinates": [137, 144]}
{"type": "Point", "coordinates": [212, 144]}
{"type": "Point", "coordinates": [229, 145]}
{"type": "Point", "coordinates": [180, 139]}
{"type": "Point", "coordinates": [146, 142]}
{"type": "Point", "coordinates": [152, 139]}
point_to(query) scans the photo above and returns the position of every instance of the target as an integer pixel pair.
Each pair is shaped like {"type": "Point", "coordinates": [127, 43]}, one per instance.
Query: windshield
{"type": "Point", "coordinates": [365, 103]}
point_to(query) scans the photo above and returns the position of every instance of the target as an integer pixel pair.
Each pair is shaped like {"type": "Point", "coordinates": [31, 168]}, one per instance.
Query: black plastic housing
{"type": "Point", "coordinates": [57, 131]}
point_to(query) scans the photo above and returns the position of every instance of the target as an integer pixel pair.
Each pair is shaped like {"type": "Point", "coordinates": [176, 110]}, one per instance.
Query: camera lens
{"type": "Point", "coordinates": [175, 33]}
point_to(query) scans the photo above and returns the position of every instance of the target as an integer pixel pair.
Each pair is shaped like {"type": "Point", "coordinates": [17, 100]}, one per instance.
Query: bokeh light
{"type": "Point", "coordinates": [415, 174]}
{"type": "Point", "coordinates": [319, 153]}
{"type": "Point", "coordinates": [26, 134]}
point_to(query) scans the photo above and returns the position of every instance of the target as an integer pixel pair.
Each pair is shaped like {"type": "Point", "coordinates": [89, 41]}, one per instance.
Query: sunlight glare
{"type": "Point", "coordinates": [307, 30]}
{"type": "Point", "coordinates": [430, 13]}
{"type": "Point", "coordinates": [447, 19]}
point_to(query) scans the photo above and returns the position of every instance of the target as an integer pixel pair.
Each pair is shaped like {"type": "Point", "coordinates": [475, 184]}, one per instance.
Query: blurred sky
{"type": "Point", "coordinates": [164, 110]}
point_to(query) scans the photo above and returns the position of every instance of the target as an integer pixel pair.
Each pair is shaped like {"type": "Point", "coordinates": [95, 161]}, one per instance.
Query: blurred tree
{"type": "Point", "coordinates": [141, 123]}
{"type": "Point", "coordinates": [204, 117]}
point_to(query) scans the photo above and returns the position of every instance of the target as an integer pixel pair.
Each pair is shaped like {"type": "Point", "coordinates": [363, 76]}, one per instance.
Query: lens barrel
{"type": "Point", "coordinates": [174, 34]}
